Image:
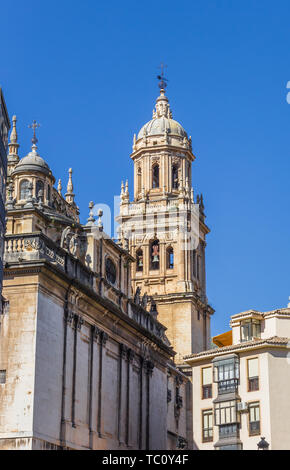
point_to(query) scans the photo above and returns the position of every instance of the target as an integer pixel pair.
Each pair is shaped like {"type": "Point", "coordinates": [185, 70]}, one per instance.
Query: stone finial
{"type": "Point", "coordinates": [192, 195]}
{"type": "Point", "coordinates": [122, 196]}
{"type": "Point", "coordinates": [127, 190]}
{"type": "Point", "coordinates": [59, 187]}
{"type": "Point", "coordinates": [91, 219]}
{"type": "Point", "coordinates": [100, 223]}
{"type": "Point", "coordinates": [134, 142]}
{"type": "Point", "coordinates": [69, 197]}
{"type": "Point", "coordinates": [13, 135]}
{"type": "Point", "coordinates": [13, 157]}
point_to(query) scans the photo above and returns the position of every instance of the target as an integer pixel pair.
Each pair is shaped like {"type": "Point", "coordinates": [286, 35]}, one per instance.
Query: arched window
{"type": "Point", "coordinates": [155, 176]}
{"type": "Point", "coordinates": [39, 187]}
{"type": "Point", "coordinates": [24, 189]}
{"type": "Point", "coordinates": [154, 255]}
{"type": "Point", "coordinates": [139, 260]}
{"type": "Point", "coordinates": [174, 177]}
{"type": "Point", "coordinates": [111, 272]}
{"type": "Point", "coordinates": [170, 258]}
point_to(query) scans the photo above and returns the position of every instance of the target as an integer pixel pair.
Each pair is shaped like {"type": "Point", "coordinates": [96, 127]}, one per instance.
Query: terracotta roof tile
{"type": "Point", "coordinates": [274, 340]}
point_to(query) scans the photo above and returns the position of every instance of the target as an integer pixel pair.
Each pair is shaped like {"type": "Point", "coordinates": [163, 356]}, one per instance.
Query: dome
{"type": "Point", "coordinates": [162, 121]}
{"type": "Point", "coordinates": [159, 125]}
{"type": "Point", "coordinates": [32, 162]}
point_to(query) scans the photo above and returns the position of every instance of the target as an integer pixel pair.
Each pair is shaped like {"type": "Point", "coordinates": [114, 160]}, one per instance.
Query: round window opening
{"type": "Point", "coordinates": [110, 271]}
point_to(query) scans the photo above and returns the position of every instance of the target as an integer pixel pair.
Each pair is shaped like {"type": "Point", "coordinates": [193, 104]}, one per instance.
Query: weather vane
{"type": "Point", "coordinates": [34, 126]}
{"type": "Point", "coordinates": [163, 81]}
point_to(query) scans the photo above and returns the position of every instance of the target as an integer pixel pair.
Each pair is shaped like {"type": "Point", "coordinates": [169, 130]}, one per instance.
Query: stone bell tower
{"type": "Point", "coordinates": [164, 229]}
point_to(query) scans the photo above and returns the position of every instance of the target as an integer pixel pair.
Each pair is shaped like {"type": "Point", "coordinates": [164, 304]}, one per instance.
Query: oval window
{"type": "Point", "coordinates": [110, 271]}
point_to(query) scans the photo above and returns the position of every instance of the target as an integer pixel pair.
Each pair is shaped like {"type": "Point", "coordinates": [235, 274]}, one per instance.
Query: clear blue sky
{"type": "Point", "coordinates": [86, 71]}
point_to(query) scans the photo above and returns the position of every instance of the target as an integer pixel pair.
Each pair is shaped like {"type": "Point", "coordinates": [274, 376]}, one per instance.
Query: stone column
{"type": "Point", "coordinates": [130, 357]}
{"type": "Point", "coordinates": [149, 366]}
{"type": "Point", "coordinates": [102, 336]}
{"type": "Point", "coordinates": [122, 355]}
{"type": "Point", "coordinates": [77, 323]}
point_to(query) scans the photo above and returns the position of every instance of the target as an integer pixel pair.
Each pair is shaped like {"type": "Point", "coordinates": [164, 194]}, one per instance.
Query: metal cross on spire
{"type": "Point", "coordinates": [34, 126]}
{"type": "Point", "coordinates": [163, 80]}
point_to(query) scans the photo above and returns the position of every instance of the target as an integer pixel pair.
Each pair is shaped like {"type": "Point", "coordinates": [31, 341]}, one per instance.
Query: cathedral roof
{"type": "Point", "coordinates": [32, 162]}
{"type": "Point", "coordinates": [162, 121]}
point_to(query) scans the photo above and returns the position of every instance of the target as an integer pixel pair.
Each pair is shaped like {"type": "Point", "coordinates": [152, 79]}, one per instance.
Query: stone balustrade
{"type": "Point", "coordinates": [36, 246]}
{"type": "Point", "coordinates": [22, 248]}
{"type": "Point", "coordinates": [147, 321]}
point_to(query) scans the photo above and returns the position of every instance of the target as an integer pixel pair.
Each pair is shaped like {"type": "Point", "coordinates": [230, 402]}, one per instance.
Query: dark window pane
{"type": "Point", "coordinates": [110, 271]}
{"type": "Point", "coordinates": [253, 384]}
{"type": "Point", "coordinates": [206, 391]}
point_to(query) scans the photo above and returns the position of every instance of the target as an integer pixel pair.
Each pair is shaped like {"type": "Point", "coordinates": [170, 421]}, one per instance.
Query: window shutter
{"type": "Point", "coordinates": [207, 376]}
{"type": "Point", "coordinates": [253, 367]}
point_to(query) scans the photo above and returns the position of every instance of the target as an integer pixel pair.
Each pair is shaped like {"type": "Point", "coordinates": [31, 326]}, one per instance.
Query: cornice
{"type": "Point", "coordinates": [36, 267]}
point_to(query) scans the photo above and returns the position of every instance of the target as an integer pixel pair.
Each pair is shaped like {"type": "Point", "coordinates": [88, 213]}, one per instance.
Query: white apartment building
{"type": "Point", "coordinates": [241, 388]}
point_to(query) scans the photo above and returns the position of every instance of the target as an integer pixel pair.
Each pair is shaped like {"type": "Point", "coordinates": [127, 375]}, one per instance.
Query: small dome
{"type": "Point", "coordinates": [159, 125]}
{"type": "Point", "coordinates": [162, 120]}
{"type": "Point", "coordinates": [32, 162]}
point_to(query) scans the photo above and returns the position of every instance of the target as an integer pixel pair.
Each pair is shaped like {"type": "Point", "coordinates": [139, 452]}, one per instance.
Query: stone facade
{"type": "Point", "coordinates": [164, 229]}
{"type": "Point", "coordinates": [85, 362]}
{"type": "Point", "coordinates": [4, 129]}
{"type": "Point", "coordinates": [240, 389]}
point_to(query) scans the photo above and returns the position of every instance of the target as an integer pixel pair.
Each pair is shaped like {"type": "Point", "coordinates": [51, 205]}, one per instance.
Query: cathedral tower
{"type": "Point", "coordinates": [164, 228]}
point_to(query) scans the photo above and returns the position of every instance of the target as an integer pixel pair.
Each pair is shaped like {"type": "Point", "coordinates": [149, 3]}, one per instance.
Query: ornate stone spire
{"type": "Point", "coordinates": [134, 142]}
{"type": "Point", "coordinates": [69, 197]}
{"type": "Point", "coordinates": [100, 223]}
{"type": "Point", "coordinates": [125, 198]}
{"type": "Point", "coordinates": [13, 157]}
{"type": "Point", "coordinates": [34, 139]}
{"type": "Point", "coordinates": [59, 187]}
{"type": "Point", "coordinates": [122, 196]}
{"type": "Point", "coordinates": [162, 106]}
{"type": "Point", "coordinates": [91, 219]}
{"type": "Point", "coordinates": [13, 135]}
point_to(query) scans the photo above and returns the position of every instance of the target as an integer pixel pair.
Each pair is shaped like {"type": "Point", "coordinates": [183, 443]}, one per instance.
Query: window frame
{"type": "Point", "coordinates": [38, 183]}
{"type": "Point", "coordinates": [256, 432]}
{"type": "Point", "coordinates": [169, 253]}
{"type": "Point", "coordinates": [155, 185]}
{"type": "Point", "coordinates": [207, 412]}
{"type": "Point", "coordinates": [234, 415]}
{"type": "Point", "coordinates": [24, 180]}
{"type": "Point", "coordinates": [206, 387]}
{"type": "Point", "coordinates": [156, 265]}
{"type": "Point", "coordinates": [139, 254]}
{"type": "Point", "coordinates": [174, 171]}
{"type": "Point", "coordinates": [229, 384]}
{"type": "Point", "coordinates": [250, 336]}
{"type": "Point", "coordinates": [3, 376]}
{"type": "Point", "coordinates": [254, 378]}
